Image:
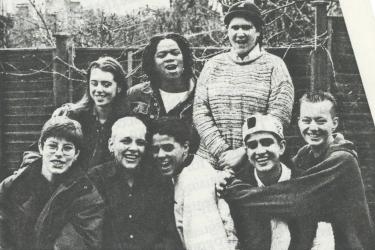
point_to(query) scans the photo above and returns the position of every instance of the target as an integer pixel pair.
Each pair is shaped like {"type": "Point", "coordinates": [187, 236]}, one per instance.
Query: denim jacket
{"type": "Point", "coordinates": [145, 99]}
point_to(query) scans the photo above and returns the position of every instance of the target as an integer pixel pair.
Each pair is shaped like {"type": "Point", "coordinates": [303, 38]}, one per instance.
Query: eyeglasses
{"type": "Point", "coordinates": [266, 142]}
{"type": "Point", "coordinates": [66, 149]}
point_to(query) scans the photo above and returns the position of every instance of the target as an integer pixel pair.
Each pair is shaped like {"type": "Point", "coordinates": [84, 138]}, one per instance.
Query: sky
{"type": "Point", "coordinates": [110, 6]}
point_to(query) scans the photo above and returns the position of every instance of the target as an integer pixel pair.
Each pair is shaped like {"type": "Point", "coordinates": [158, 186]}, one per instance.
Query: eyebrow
{"type": "Point", "coordinates": [171, 50]}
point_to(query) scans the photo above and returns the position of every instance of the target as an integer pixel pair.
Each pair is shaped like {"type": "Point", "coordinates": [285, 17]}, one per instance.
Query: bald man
{"type": "Point", "coordinates": [139, 205]}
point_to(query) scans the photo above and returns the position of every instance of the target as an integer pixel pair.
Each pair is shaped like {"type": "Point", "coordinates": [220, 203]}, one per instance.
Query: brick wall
{"type": "Point", "coordinates": [357, 123]}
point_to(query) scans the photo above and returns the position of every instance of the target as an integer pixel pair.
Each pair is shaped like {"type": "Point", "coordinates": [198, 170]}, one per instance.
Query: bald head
{"type": "Point", "coordinates": [128, 142]}
{"type": "Point", "coordinates": [126, 123]}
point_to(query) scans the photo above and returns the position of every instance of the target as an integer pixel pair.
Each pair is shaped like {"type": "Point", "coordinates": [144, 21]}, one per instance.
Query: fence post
{"type": "Point", "coordinates": [2, 165]}
{"type": "Point", "coordinates": [319, 59]}
{"type": "Point", "coordinates": [130, 68]}
{"type": "Point", "coordinates": [61, 70]}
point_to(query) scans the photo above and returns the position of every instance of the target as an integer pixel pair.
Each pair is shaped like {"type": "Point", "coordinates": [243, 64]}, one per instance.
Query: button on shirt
{"type": "Point", "coordinates": [140, 216]}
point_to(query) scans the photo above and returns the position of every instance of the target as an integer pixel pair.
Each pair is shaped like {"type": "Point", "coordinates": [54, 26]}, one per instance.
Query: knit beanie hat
{"type": "Point", "coordinates": [247, 10]}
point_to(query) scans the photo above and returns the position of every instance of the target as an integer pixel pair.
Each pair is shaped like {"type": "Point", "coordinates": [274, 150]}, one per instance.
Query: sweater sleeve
{"type": "Point", "coordinates": [282, 93]}
{"type": "Point", "coordinates": [202, 115]}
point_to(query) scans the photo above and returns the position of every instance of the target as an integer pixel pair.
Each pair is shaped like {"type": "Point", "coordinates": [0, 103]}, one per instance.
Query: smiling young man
{"type": "Point", "coordinates": [139, 211]}
{"type": "Point", "coordinates": [203, 221]}
{"type": "Point", "coordinates": [50, 203]}
{"type": "Point", "coordinates": [328, 193]}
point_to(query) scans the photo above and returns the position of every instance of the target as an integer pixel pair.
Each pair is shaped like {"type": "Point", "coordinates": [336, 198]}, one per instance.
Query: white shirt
{"type": "Point", "coordinates": [324, 239]}
{"type": "Point", "coordinates": [171, 100]}
{"type": "Point", "coordinates": [279, 229]}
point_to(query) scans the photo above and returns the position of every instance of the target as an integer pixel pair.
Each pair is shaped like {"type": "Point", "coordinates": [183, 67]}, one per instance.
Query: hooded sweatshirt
{"type": "Point", "coordinates": [328, 188]}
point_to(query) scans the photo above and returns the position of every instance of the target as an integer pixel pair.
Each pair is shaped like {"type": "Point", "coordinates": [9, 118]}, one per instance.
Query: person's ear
{"type": "Point", "coordinates": [186, 147]}
{"type": "Point", "coordinates": [77, 154]}
{"type": "Point", "coordinates": [40, 147]}
{"type": "Point", "coordinates": [335, 123]}
{"type": "Point", "coordinates": [282, 145]}
{"type": "Point", "coordinates": [110, 144]}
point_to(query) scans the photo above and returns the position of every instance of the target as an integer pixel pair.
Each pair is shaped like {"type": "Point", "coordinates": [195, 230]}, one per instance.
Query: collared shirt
{"type": "Point", "coordinates": [280, 230]}
{"type": "Point", "coordinates": [139, 217]}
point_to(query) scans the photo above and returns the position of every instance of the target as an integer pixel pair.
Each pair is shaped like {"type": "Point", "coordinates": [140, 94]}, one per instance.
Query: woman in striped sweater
{"type": "Point", "coordinates": [234, 85]}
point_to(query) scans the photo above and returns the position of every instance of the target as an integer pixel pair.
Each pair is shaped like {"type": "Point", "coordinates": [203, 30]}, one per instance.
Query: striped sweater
{"type": "Point", "coordinates": [230, 90]}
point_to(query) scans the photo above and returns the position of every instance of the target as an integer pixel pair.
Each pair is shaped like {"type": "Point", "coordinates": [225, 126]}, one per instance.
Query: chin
{"type": "Point", "coordinates": [315, 143]}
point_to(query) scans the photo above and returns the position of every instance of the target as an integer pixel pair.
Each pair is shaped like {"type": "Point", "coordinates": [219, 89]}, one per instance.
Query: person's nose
{"type": "Point", "coordinates": [99, 88]}
{"type": "Point", "coordinates": [260, 149]}
{"type": "Point", "coordinates": [313, 126]}
{"type": "Point", "coordinates": [169, 57]}
{"type": "Point", "coordinates": [240, 32]}
{"type": "Point", "coordinates": [59, 152]}
{"type": "Point", "coordinates": [133, 146]}
{"type": "Point", "coordinates": [161, 153]}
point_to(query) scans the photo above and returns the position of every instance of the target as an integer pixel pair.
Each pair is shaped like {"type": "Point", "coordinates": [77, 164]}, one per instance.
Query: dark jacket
{"type": "Point", "coordinates": [139, 217]}
{"type": "Point", "coordinates": [145, 99]}
{"type": "Point", "coordinates": [329, 189]}
{"type": "Point", "coordinates": [253, 228]}
{"type": "Point", "coordinates": [96, 136]}
{"type": "Point", "coordinates": [37, 215]}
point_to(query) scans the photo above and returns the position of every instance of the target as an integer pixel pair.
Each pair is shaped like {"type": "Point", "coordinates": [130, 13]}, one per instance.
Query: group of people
{"type": "Point", "coordinates": [185, 163]}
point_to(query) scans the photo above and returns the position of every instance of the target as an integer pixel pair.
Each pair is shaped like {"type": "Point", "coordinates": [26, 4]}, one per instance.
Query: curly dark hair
{"type": "Point", "coordinates": [148, 62]}
{"type": "Point", "coordinates": [174, 127]}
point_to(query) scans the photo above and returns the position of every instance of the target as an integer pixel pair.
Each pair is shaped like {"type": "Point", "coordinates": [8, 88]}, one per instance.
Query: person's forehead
{"type": "Point", "coordinates": [238, 20]}
{"type": "Point", "coordinates": [129, 128]}
{"type": "Point", "coordinates": [316, 109]}
{"type": "Point", "coordinates": [96, 72]}
{"type": "Point", "coordinates": [166, 45]}
{"type": "Point", "coordinates": [61, 140]}
{"type": "Point", "coordinates": [261, 135]}
{"type": "Point", "coordinates": [162, 139]}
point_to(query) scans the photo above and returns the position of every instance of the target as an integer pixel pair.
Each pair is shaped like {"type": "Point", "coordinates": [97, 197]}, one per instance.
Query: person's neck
{"type": "Point", "coordinates": [102, 113]}
{"type": "Point", "coordinates": [243, 55]}
{"type": "Point", "coordinates": [270, 177]}
{"type": "Point", "coordinates": [321, 149]}
{"type": "Point", "coordinates": [47, 175]}
{"type": "Point", "coordinates": [185, 162]}
{"type": "Point", "coordinates": [174, 85]}
{"type": "Point", "coordinates": [129, 177]}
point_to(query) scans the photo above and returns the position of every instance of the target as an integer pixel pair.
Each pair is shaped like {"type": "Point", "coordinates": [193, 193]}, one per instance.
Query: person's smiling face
{"type": "Point", "coordinates": [103, 88]}
{"type": "Point", "coordinates": [264, 151]}
{"type": "Point", "coordinates": [168, 153]}
{"type": "Point", "coordinates": [317, 124]}
{"type": "Point", "coordinates": [58, 155]}
{"type": "Point", "coordinates": [128, 143]}
{"type": "Point", "coordinates": [242, 35]}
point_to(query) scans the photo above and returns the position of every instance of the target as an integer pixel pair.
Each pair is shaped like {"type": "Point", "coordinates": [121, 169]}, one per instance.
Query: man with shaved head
{"type": "Point", "coordinates": [139, 205]}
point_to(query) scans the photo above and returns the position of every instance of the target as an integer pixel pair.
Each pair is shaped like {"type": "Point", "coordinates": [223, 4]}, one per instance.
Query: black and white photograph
{"type": "Point", "coordinates": [187, 124]}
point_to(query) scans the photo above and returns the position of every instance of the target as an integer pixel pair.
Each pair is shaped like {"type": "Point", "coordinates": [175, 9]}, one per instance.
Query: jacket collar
{"type": "Point", "coordinates": [188, 99]}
